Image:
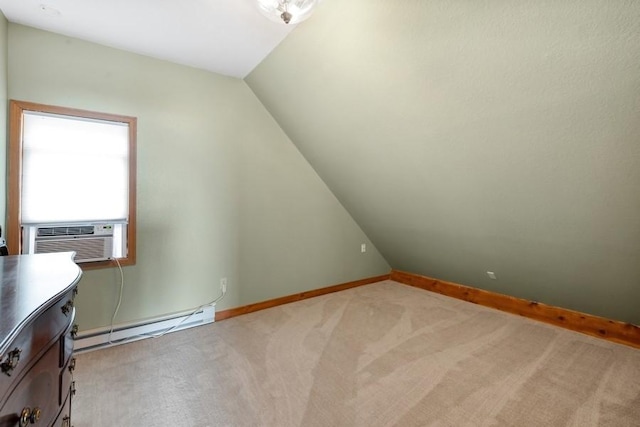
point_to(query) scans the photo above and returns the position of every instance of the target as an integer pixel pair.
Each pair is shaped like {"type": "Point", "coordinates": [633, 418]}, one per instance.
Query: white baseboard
{"type": "Point", "coordinates": [99, 338]}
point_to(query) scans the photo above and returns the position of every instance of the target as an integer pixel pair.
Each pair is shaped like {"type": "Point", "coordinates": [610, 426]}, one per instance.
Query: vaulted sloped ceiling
{"type": "Point", "coordinates": [475, 136]}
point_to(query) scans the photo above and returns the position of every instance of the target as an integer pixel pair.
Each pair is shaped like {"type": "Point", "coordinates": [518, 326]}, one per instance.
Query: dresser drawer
{"type": "Point", "coordinates": [64, 417]}
{"type": "Point", "coordinates": [66, 378]}
{"type": "Point", "coordinates": [66, 342]}
{"type": "Point", "coordinates": [34, 340]}
{"type": "Point", "coordinates": [37, 391]}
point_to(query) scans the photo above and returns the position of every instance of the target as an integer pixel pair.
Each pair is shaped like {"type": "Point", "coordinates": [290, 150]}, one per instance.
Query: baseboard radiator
{"type": "Point", "coordinates": [99, 338]}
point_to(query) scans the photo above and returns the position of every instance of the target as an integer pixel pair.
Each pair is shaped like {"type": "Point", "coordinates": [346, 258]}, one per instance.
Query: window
{"type": "Point", "coordinates": [71, 183]}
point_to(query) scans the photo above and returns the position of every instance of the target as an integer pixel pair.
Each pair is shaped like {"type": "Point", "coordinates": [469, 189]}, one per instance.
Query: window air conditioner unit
{"type": "Point", "coordinates": [90, 242]}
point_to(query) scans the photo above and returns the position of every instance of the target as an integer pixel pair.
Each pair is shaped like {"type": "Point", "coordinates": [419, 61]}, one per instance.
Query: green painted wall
{"type": "Point", "coordinates": [222, 191]}
{"type": "Point", "coordinates": [475, 136]}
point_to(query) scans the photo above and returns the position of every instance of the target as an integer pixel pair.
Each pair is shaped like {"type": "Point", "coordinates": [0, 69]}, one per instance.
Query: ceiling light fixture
{"type": "Point", "coordinates": [287, 11]}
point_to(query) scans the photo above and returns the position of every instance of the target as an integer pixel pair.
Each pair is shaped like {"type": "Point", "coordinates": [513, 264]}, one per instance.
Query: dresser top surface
{"type": "Point", "coordinates": [29, 284]}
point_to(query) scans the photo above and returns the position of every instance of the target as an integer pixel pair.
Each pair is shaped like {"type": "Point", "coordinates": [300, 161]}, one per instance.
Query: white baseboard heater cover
{"type": "Point", "coordinates": [99, 338]}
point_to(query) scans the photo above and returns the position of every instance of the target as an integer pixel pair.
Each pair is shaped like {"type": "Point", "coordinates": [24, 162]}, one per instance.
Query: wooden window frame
{"type": "Point", "coordinates": [14, 234]}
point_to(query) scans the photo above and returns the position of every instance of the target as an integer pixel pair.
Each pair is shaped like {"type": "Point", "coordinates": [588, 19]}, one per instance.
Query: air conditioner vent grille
{"type": "Point", "coordinates": [66, 231]}
{"type": "Point", "coordinates": [87, 249]}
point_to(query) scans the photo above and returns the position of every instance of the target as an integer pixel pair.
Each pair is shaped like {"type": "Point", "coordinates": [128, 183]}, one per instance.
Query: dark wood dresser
{"type": "Point", "coordinates": [36, 339]}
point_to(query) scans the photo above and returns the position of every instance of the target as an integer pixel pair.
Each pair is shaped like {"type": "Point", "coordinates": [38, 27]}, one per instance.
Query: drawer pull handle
{"type": "Point", "coordinates": [66, 421]}
{"type": "Point", "coordinates": [73, 388]}
{"type": "Point", "coordinates": [13, 357]}
{"type": "Point", "coordinates": [72, 364]}
{"type": "Point", "coordinates": [74, 331]}
{"type": "Point", "coordinates": [66, 309]}
{"type": "Point", "coordinates": [29, 416]}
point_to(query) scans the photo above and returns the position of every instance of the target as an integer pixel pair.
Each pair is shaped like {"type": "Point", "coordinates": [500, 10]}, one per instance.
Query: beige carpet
{"type": "Point", "coordinates": [380, 355]}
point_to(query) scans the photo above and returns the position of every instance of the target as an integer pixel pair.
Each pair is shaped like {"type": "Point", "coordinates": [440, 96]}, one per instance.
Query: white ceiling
{"type": "Point", "coordinates": [228, 37]}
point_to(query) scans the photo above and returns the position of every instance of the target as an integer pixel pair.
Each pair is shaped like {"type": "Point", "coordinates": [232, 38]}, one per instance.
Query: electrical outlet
{"type": "Point", "coordinates": [491, 275]}
{"type": "Point", "coordinates": [363, 248]}
{"type": "Point", "coordinates": [223, 284]}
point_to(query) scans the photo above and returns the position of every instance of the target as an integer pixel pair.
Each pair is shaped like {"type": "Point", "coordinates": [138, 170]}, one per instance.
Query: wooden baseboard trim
{"type": "Point", "coordinates": [611, 330]}
{"type": "Point", "coordinates": [232, 312]}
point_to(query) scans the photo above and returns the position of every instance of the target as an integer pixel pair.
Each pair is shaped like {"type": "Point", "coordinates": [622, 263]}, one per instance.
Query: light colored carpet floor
{"type": "Point", "coordinates": [379, 355]}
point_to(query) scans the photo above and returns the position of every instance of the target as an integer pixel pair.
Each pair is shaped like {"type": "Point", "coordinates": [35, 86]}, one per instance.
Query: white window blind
{"type": "Point", "coordinates": [73, 169]}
